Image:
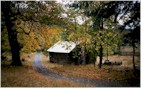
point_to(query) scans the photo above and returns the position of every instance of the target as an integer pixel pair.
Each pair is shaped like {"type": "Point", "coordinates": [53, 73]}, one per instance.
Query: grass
{"type": "Point", "coordinates": [25, 76]}
{"type": "Point", "coordinates": [89, 71]}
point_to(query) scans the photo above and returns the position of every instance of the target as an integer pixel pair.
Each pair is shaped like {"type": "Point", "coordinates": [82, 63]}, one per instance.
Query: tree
{"type": "Point", "coordinates": [129, 13]}
{"type": "Point", "coordinates": [132, 21]}
{"type": "Point", "coordinates": [12, 35]}
{"type": "Point", "coordinates": [97, 14]}
{"type": "Point", "coordinates": [16, 13]}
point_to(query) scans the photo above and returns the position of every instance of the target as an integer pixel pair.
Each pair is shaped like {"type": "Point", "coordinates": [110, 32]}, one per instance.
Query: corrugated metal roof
{"type": "Point", "coordinates": [62, 47]}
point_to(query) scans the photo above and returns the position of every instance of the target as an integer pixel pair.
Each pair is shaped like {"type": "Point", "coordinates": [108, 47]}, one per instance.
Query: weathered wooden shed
{"type": "Point", "coordinates": [61, 52]}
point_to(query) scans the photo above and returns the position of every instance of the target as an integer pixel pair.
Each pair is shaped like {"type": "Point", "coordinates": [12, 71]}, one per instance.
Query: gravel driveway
{"type": "Point", "coordinates": [39, 67]}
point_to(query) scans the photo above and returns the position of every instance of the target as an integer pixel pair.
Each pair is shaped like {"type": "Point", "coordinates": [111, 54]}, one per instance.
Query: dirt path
{"type": "Point", "coordinates": [39, 67]}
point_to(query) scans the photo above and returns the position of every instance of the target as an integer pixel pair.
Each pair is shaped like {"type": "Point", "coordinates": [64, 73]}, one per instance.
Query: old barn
{"type": "Point", "coordinates": [61, 52]}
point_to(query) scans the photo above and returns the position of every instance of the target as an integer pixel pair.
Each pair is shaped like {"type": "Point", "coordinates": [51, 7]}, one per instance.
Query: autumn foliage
{"type": "Point", "coordinates": [42, 39]}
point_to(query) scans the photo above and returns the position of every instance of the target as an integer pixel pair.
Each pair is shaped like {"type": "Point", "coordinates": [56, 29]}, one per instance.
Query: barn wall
{"type": "Point", "coordinates": [61, 58]}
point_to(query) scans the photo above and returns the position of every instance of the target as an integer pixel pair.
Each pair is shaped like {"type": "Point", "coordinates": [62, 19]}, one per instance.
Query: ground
{"type": "Point", "coordinates": [10, 75]}
{"type": "Point", "coordinates": [121, 72]}
{"type": "Point", "coordinates": [26, 76]}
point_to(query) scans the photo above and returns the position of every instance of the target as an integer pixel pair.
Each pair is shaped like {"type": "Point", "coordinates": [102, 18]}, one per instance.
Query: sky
{"type": "Point", "coordinates": [79, 18]}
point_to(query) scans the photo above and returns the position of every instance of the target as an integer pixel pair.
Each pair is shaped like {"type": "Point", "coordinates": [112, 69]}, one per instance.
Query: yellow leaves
{"type": "Point", "coordinates": [31, 45]}
{"type": "Point", "coordinates": [72, 37]}
{"type": "Point", "coordinates": [85, 39]}
{"type": "Point", "coordinates": [80, 35]}
{"type": "Point", "coordinates": [4, 40]}
{"type": "Point", "coordinates": [35, 39]}
{"type": "Point", "coordinates": [32, 34]}
{"type": "Point", "coordinates": [109, 34]}
{"type": "Point", "coordinates": [50, 35]}
{"type": "Point", "coordinates": [21, 26]}
{"type": "Point", "coordinates": [108, 38]}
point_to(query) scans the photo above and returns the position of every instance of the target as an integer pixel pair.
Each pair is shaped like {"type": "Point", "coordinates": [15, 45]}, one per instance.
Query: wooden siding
{"type": "Point", "coordinates": [61, 58]}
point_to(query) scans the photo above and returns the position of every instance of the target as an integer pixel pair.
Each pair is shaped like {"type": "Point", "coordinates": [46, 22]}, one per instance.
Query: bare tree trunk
{"type": "Point", "coordinates": [101, 56]}
{"type": "Point", "coordinates": [95, 55]}
{"type": "Point", "coordinates": [12, 35]}
{"type": "Point", "coordinates": [15, 48]}
{"type": "Point", "coordinates": [101, 47]}
{"type": "Point", "coordinates": [107, 51]}
{"type": "Point", "coordinates": [134, 67]}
